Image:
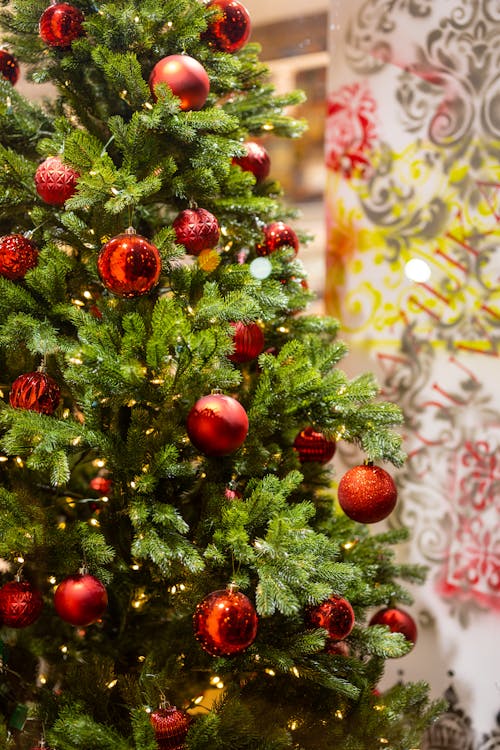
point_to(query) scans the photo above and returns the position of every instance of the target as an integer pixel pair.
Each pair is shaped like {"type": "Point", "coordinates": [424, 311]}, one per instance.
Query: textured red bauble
{"type": "Point", "coordinates": [20, 604]}
{"type": "Point", "coordinates": [129, 265]}
{"type": "Point", "coordinates": [101, 484]}
{"type": "Point", "coordinates": [60, 24]}
{"type": "Point", "coordinates": [170, 726]}
{"type": "Point", "coordinates": [367, 493]}
{"type": "Point", "coordinates": [197, 229]}
{"type": "Point", "coordinates": [398, 621]}
{"type": "Point", "coordinates": [35, 391]}
{"type": "Point", "coordinates": [55, 182]}
{"type": "Point", "coordinates": [256, 160]}
{"type": "Point", "coordinates": [277, 235]}
{"type": "Point", "coordinates": [17, 255]}
{"type": "Point", "coordinates": [80, 599]}
{"type": "Point", "coordinates": [186, 78]}
{"type": "Point", "coordinates": [335, 615]}
{"type": "Point", "coordinates": [217, 424]}
{"type": "Point", "coordinates": [314, 447]}
{"type": "Point", "coordinates": [9, 67]}
{"type": "Point", "coordinates": [248, 342]}
{"type": "Point", "coordinates": [231, 28]}
{"type": "Point", "coordinates": [225, 622]}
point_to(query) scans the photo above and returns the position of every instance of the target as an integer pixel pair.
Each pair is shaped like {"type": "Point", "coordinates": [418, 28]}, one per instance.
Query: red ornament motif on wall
{"type": "Point", "coordinates": [351, 129]}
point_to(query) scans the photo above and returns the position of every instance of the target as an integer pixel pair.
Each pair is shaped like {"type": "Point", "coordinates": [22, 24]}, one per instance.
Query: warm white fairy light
{"type": "Point", "coordinates": [295, 671]}
{"type": "Point", "coordinates": [20, 560]}
{"type": "Point", "coordinates": [270, 672]}
{"type": "Point", "coordinates": [111, 684]}
{"type": "Point", "coordinates": [42, 680]}
{"type": "Point", "coordinates": [52, 580]}
{"type": "Point", "coordinates": [141, 658]}
{"type": "Point", "coordinates": [19, 461]}
{"type": "Point", "coordinates": [339, 715]}
{"type": "Point", "coordinates": [94, 522]}
{"type": "Point", "coordinates": [63, 649]}
{"type": "Point", "coordinates": [3, 459]}
{"type": "Point", "coordinates": [198, 700]}
{"type": "Point", "coordinates": [99, 462]}
{"type": "Point", "coordinates": [78, 302]}
{"type": "Point", "coordinates": [87, 294]}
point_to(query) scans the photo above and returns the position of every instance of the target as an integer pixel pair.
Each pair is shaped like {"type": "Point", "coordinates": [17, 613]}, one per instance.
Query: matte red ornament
{"type": "Point", "coordinates": [197, 229]}
{"type": "Point", "coordinates": [248, 342]}
{"type": "Point", "coordinates": [20, 604]}
{"type": "Point", "coordinates": [398, 621]}
{"type": "Point", "coordinates": [17, 255]}
{"type": "Point", "coordinates": [217, 424]}
{"type": "Point", "coordinates": [101, 484]}
{"type": "Point", "coordinates": [367, 493]}
{"type": "Point", "coordinates": [80, 599]}
{"type": "Point", "coordinates": [335, 615]}
{"type": "Point", "coordinates": [60, 24]}
{"type": "Point", "coordinates": [9, 67]}
{"type": "Point", "coordinates": [186, 78]}
{"type": "Point", "coordinates": [256, 160]}
{"type": "Point", "coordinates": [314, 447]}
{"type": "Point", "coordinates": [231, 28]}
{"type": "Point", "coordinates": [170, 726]}
{"type": "Point", "coordinates": [55, 181]}
{"type": "Point", "coordinates": [129, 265]}
{"type": "Point", "coordinates": [225, 622]}
{"type": "Point", "coordinates": [35, 391]}
{"type": "Point", "coordinates": [277, 235]}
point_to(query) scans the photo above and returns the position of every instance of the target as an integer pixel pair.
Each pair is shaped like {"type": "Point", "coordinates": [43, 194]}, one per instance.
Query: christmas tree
{"type": "Point", "coordinates": [176, 569]}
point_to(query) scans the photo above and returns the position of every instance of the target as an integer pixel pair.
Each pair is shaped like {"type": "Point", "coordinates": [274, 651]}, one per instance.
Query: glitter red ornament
{"type": "Point", "coordinates": [129, 265]}
{"type": "Point", "coordinates": [35, 391]}
{"type": "Point", "coordinates": [9, 67]}
{"type": "Point", "coordinates": [314, 447]}
{"type": "Point", "coordinates": [367, 493]}
{"type": "Point", "coordinates": [256, 160]}
{"type": "Point", "coordinates": [55, 181]}
{"type": "Point", "coordinates": [80, 599]}
{"type": "Point", "coordinates": [277, 235]}
{"type": "Point", "coordinates": [230, 29]}
{"type": "Point", "coordinates": [217, 424]}
{"type": "Point", "coordinates": [398, 621]}
{"type": "Point", "coordinates": [197, 229]}
{"type": "Point", "coordinates": [170, 726]}
{"type": "Point", "coordinates": [60, 24]}
{"type": "Point", "coordinates": [20, 604]}
{"type": "Point", "coordinates": [186, 78]}
{"type": "Point", "coordinates": [248, 342]}
{"type": "Point", "coordinates": [335, 615]}
{"type": "Point", "coordinates": [17, 255]}
{"type": "Point", "coordinates": [225, 622]}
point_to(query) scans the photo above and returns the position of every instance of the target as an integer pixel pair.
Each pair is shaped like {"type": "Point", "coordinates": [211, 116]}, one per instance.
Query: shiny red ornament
{"type": "Point", "coordinates": [314, 447]}
{"type": "Point", "coordinates": [398, 621]}
{"type": "Point", "coordinates": [186, 78]}
{"type": "Point", "coordinates": [20, 604]}
{"type": "Point", "coordinates": [60, 24]}
{"type": "Point", "coordinates": [217, 425]}
{"type": "Point", "coordinates": [170, 726]}
{"type": "Point", "coordinates": [35, 391]}
{"type": "Point", "coordinates": [231, 28]}
{"type": "Point", "coordinates": [335, 615]}
{"type": "Point", "coordinates": [55, 181]}
{"type": "Point", "coordinates": [101, 484]}
{"type": "Point", "coordinates": [17, 255]}
{"type": "Point", "coordinates": [197, 229]}
{"type": "Point", "coordinates": [9, 67]}
{"type": "Point", "coordinates": [367, 494]}
{"type": "Point", "coordinates": [225, 622]}
{"type": "Point", "coordinates": [129, 265]}
{"type": "Point", "coordinates": [277, 235]}
{"type": "Point", "coordinates": [248, 342]}
{"type": "Point", "coordinates": [256, 160]}
{"type": "Point", "coordinates": [80, 599]}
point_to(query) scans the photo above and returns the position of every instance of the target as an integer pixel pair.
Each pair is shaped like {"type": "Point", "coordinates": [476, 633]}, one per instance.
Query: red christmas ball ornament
{"type": "Point", "coordinates": [35, 391]}
{"type": "Point", "coordinates": [80, 599]}
{"type": "Point", "coordinates": [277, 235]}
{"type": "Point", "coordinates": [230, 493]}
{"type": "Point", "coordinates": [20, 604]}
{"type": "Point", "coordinates": [101, 484]}
{"type": "Point", "coordinates": [314, 447]}
{"type": "Point", "coordinates": [337, 648]}
{"type": "Point", "coordinates": [217, 424]}
{"type": "Point", "coordinates": [186, 78]}
{"type": "Point", "coordinates": [197, 229]}
{"type": "Point", "coordinates": [256, 160]}
{"type": "Point", "coordinates": [231, 28]}
{"type": "Point", "coordinates": [335, 615]}
{"type": "Point", "coordinates": [367, 493]}
{"type": "Point", "coordinates": [398, 621]}
{"type": "Point", "coordinates": [9, 67]}
{"type": "Point", "coordinates": [55, 181]}
{"type": "Point", "coordinates": [248, 342]}
{"type": "Point", "coordinates": [60, 24]}
{"type": "Point", "coordinates": [129, 265]}
{"type": "Point", "coordinates": [170, 726]}
{"type": "Point", "coordinates": [17, 255]}
{"type": "Point", "coordinates": [225, 622]}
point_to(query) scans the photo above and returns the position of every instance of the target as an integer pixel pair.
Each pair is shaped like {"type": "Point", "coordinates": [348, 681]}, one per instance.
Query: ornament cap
{"type": "Point", "coordinates": [233, 587]}
{"type": "Point", "coordinates": [130, 230]}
